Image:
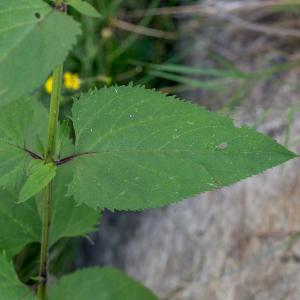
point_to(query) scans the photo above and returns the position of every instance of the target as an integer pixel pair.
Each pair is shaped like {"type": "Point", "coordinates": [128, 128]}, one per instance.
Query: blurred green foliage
{"type": "Point", "coordinates": [105, 53]}
{"type": "Point", "coordinates": [122, 47]}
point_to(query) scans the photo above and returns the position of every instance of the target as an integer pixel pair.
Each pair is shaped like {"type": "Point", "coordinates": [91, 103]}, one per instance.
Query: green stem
{"type": "Point", "coordinates": [52, 128]}
{"type": "Point", "coordinates": [43, 270]}
{"type": "Point", "coordinates": [54, 112]}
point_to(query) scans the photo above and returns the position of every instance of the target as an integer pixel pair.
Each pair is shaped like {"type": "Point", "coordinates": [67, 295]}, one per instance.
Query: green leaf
{"type": "Point", "coordinates": [137, 148]}
{"type": "Point", "coordinates": [22, 124]}
{"type": "Point", "coordinates": [12, 164]}
{"type": "Point", "coordinates": [19, 223]}
{"type": "Point", "coordinates": [84, 8]}
{"type": "Point", "coordinates": [22, 221]}
{"type": "Point", "coordinates": [35, 38]}
{"type": "Point", "coordinates": [69, 219]}
{"type": "Point", "coordinates": [10, 286]}
{"type": "Point", "coordinates": [99, 284]}
{"type": "Point", "coordinates": [40, 177]}
{"type": "Point", "coordinates": [63, 139]}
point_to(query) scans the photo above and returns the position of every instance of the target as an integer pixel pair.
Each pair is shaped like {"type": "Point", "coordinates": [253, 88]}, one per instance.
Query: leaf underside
{"type": "Point", "coordinates": [34, 40]}
{"type": "Point", "coordinates": [136, 148]}
{"type": "Point", "coordinates": [99, 284]}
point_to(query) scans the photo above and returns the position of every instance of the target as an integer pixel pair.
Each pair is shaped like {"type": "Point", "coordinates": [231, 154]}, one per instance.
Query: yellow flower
{"type": "Point", "coordinates": [71, 81]}
{"type": "Point", "coordinates": [49, 85]}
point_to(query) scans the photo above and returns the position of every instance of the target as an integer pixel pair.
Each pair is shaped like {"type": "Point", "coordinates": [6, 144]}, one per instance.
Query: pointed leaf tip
{"type": "Point", "coordinates": [145, 149]}
{"type": "Point", "coordinates": [42, 174]}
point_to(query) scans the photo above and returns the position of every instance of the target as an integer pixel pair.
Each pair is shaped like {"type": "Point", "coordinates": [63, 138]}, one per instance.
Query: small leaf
{"type": "Point", "coordinates": [136, 148]}
{"type": "Point", "coordinates": [35, 38]}
{"type": "Point", "coordinates": [95, 283]}
{"type": "Point", "coordinates": [84, 8]}
{"type": "Point", "coordinates": [11, 288]}
{"type": "Point", "coordinates": [41, 176]}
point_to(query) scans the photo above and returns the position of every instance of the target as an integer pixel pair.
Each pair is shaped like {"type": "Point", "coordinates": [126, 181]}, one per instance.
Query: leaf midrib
{"type": "Point", "coordinates": [110, 132]}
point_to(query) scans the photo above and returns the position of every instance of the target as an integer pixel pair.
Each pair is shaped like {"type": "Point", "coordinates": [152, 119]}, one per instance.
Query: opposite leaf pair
{"type": "Point", "coordinates": [22, 133]}
{"type": "Point", "coordinates": [136, 148]}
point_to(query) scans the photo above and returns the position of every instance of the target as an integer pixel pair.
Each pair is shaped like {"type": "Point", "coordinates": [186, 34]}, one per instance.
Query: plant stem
{"type": "Point", "coordinates": [43, 270]}
{"type": "Point", "coordinates": [54, 112]}
{"type": "Point", "coordinates": [49, 157]}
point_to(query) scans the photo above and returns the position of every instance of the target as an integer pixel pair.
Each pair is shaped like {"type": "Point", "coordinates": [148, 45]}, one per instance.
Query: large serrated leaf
{"type": "Point", "coordinates": [99, 284]}
{"type": "Point", "coordinates": [35, 38]}
{"type": "Point", "coordinates": [10, 286]}
{"type": "Point", "coordinates": [137, 148]}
